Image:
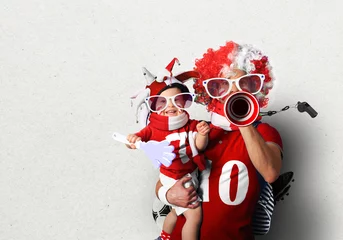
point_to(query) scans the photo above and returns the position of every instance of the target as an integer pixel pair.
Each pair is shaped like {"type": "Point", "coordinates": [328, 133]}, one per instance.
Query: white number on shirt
{"type": "Point", "coordinates": [182, 138]}
{"type": "Point", "coordinates": [225, 183]}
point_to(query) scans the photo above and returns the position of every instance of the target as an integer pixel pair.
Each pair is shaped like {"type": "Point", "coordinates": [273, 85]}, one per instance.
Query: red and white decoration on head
{"type": "Point", "coordinates": [155, 84]}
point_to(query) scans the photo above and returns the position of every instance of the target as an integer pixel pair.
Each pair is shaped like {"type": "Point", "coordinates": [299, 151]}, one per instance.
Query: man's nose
{"type": "Point", "coordinates": [234, 88]}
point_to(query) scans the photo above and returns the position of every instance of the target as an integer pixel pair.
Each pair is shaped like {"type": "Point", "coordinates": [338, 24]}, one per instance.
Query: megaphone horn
{"type": "Point", "coordinates": [241, 109]}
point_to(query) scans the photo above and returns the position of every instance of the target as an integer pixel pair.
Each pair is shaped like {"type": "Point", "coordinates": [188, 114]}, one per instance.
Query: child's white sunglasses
{"type": "Point", "coordinates": [158, 103]}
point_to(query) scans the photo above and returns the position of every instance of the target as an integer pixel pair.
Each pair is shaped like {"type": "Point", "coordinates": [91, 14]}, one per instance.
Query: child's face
{"type": "Point", "coordinates": [171, 110]}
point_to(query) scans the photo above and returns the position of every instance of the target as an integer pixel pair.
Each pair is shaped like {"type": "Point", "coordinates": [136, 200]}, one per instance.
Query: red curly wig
{"type": "Point", "coordinates": [232, 56]}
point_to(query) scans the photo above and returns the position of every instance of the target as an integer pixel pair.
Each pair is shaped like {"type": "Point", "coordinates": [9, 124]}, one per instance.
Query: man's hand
{"type": "Point", "coordinates": [180, 196]}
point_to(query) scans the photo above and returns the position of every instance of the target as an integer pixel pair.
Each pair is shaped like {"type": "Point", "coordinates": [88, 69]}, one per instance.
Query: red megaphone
{"type": "Point", "coordinates": [241, 109]}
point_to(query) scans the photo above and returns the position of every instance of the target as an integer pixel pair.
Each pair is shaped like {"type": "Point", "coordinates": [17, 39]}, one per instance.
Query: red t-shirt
{"type": "Point", "coordinates": [230, 187]}
{"type": "Point", "coordinates": [184, 161]}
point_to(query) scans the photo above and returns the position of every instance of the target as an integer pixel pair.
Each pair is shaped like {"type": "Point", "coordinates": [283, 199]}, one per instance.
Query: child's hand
{"type": "Point", "coordinates": [132, 138]}
{"type": "Point", "coordinates": [203, 128]}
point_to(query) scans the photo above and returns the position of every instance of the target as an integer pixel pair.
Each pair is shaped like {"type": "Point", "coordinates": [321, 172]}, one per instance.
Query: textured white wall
{"type": "Point", "coordinates": [68, 67]}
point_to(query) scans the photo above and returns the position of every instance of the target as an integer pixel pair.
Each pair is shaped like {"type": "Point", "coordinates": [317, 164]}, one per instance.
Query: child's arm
{"type": "Point", "coordinates": [201, 139]}
{"type": "Point", "coordinates": [132, 138]}
{"type": "Point", "coordinates": [143, 135]}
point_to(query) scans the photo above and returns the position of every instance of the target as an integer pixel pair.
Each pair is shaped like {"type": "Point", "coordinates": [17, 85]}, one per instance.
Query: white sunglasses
{"type": "Point", "coordinates": [220, 87]}
{"type": "Point", "coordinates": [158, 103]}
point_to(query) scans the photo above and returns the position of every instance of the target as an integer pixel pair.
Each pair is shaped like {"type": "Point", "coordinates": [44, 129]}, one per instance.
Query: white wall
{"type": "Point", "coordinates": [68, 68]}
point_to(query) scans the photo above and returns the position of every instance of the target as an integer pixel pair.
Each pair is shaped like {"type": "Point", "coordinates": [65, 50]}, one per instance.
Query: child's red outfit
{"type": "Point", "coordinates": [180, 131]}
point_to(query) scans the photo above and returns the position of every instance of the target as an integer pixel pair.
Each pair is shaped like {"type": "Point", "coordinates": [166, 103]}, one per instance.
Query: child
{"type": "Point", "coordinates": [169, 121]}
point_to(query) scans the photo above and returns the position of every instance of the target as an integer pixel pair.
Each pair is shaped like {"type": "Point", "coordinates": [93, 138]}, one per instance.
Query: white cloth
{"type": "Point", "coordinates": [221, 121]}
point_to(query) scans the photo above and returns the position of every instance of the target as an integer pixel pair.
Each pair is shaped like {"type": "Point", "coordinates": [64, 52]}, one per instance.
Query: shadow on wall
{"type": "Point", "coordinates": [297, 216]}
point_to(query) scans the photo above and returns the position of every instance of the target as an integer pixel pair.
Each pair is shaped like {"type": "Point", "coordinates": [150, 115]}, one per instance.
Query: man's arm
{"type": "Point", "coordinates": [180, 196]}
{"type": "Point", "coordinates": [266, 157]}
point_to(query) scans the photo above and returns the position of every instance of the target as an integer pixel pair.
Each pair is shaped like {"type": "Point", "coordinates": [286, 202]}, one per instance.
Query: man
{"type": "Point", "coordinates": [240, 159]}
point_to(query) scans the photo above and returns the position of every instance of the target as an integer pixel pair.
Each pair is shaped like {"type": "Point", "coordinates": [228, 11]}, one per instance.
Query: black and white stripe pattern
{"type": "Point", "coordinates": [263, 212]}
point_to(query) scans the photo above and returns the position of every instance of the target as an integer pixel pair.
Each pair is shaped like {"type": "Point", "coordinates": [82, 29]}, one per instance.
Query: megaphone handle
{"type": "Point", "coordinates": [120, 138]}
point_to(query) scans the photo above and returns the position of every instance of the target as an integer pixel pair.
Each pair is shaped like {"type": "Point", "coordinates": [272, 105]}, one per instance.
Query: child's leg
{"type": "Point", "coordinates": [190, 230]}
{"type": "Point", "coordinates": [169, 222]}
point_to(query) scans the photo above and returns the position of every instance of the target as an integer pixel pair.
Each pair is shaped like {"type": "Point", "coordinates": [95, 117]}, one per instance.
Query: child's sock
{"type": "Point", "coordinates": [165, 236]}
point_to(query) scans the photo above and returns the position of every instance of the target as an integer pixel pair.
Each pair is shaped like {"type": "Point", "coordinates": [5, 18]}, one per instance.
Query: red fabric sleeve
{"type": "Point", "coordinates": [144, 134]}
{"type": "Point", "coordinates": [269, 134]}
{"type": "Point", "coordinates": [193, 125]}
